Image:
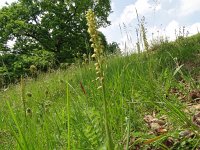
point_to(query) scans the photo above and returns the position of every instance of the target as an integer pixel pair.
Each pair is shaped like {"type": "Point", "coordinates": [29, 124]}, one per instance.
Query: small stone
{"type": "Point", "coordinates": [184, 133]}
{"type": "Point", "coordinates": [169, 142]}
{"type": "Point", "coordinates": [161, 130]}
{"type": "Point", "coordinates": [198, 121]}
{"type": "Point", "coordinates": [155, 126]}
{"type": "Point", "coordinates": [148, 118]}
{"type": "Point", "coordinates": [196, 107]}
{"type": "Point", "coordinates": [195, 95]}
{"type": "Point", "coordinates": [160, 122]}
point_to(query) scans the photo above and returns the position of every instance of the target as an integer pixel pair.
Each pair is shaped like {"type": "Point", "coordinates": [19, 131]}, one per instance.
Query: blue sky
{"type": "Point", "coordinates": [162, 17]}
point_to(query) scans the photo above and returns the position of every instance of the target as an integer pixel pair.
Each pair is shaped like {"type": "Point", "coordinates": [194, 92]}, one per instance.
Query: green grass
{"type": "Point", "coordinates": [64, 117]}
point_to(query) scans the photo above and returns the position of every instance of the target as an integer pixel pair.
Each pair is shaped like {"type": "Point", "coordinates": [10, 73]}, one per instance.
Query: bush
{"type": "Point", "coordinates": [13, 66]}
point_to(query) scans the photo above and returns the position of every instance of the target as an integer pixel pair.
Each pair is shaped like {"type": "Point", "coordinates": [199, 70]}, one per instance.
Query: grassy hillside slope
{"type": "Point", "coordinates": [153, 101]}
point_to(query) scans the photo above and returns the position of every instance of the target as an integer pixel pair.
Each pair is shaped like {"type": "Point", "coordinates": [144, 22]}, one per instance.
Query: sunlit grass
{"type": "Point", "coordinates": [65, 117]}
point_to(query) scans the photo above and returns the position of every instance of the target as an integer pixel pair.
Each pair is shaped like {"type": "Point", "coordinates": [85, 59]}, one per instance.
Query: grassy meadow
{"type": "Point", "coordinates": [152, 101]}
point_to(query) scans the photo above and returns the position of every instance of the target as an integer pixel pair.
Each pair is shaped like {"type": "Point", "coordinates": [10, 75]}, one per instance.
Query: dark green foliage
{"type": "Point", "coordinates": [103, 39]}
{"type": "Point", "coordinates": [58, 27]}
{"type": "Point", "coordinates": [13, 66]}
{"type": "Point", "coordinates": [113, 48]}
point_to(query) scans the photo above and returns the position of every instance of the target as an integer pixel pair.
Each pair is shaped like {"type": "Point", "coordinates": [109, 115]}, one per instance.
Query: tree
{"type": "Point", "coordinates": [103, 39]}
{"type": "Point", "coordinates": [113, 48]}
{"type": "Point", "coordinates": [58, 26]}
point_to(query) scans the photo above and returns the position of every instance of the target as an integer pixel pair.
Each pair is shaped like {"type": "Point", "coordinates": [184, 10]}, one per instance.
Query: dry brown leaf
{"type": "Point", "coordinates": [196, 119]}
{"type": "Point", "coordinates": [155, 126]}
{"type": "Point", "coordinates": [148, 118]}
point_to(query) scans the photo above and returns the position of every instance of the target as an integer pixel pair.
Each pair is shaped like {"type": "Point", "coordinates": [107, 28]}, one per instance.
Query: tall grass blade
{"type": "Point", "coordinates": [21, 140]}
{"type": "Point", "coordinates": [177, 70]}
{"type": "Point", "coordinates": [68, 118]}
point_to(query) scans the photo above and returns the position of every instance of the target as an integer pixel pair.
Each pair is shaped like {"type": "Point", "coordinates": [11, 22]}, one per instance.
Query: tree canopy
{"type": "Point", "coordinates": [45, 33]}
{"type": "Point", "coordinates": [58, 26]}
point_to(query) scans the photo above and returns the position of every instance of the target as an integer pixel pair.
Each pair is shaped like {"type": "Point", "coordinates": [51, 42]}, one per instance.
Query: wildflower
{"type": "Point", "coordinates": [96, 43]}
{"type": "Point", "coordinates": [98, 55]}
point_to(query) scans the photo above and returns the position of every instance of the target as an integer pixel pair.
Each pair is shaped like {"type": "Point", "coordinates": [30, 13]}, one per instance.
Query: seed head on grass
{"type": "Point", "coordinates": [23, 95]}
{"type": "Point", "coordinates": [29, 112]}
{"type": "Point", "coordinates": [33, 69]}
{"type": "Point", "coordinates": [85, 59]}
{"type": "Point", "coordinates": [144, 34]}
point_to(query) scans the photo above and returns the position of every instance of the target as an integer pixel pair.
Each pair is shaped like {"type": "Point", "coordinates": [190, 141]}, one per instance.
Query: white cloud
{"type": "Point", "coordinates": [193, 29]}
{"type": "Point", "coordinates": [113, 28]}
{"type": "Point", "coordinates": [3, 2]}
{"type": "Point", "coordinates": [169, 16]}
{"type": "Point", "coordinates": [129, 13]}
{"type": "Point", "coordinates": [189, 6]}
{"type": "Point", "coordinates": [171, 29]}
{"type": "Point", "coordinates": [10, 43]}
{"type": "Point", "coordinates": [127, 42]}
{"type": "Point", "coordinates": [109, 32]}
{"type": "Point", "coordinates": [112, 5]}
{"type": "Point", "coordinates": [171, 11]}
